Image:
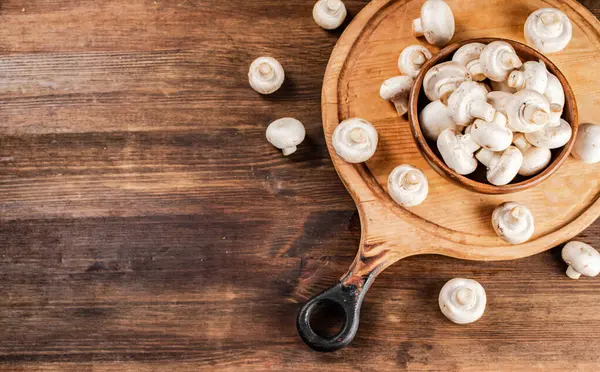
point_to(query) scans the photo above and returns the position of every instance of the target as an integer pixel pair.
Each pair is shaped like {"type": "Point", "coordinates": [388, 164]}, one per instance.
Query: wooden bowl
{"type": "Point", "coordinates": [477, 181]}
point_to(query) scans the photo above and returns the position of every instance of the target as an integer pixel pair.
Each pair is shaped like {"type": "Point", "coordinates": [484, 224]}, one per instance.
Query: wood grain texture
{"type": "Point", "coordinates": [147, 225]}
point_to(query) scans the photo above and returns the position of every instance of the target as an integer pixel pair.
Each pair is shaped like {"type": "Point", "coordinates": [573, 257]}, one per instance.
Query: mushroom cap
{"type": "Point", "coordinates": [355, 140]}
{"type": "Point", "coordinates": [548, 30]}
{"type": "Point", "coordinates": [513, 222]}
{"type": "Point", "coordinates": [535, 159]}
{"type": "Point", "coordinates": [498, 59]}
{"type": "Point", "coordinates": [457, 151]}
{"type": "Point", "coordinates": [532, 75]}
{"type": "Point", "coordinates": [527, 111]}
{"type": "Point", "coordinates": [408, 185]}
{"type": "Point", "coordinates": [587, 144]}
{"type": "Point", "coordinates": [502, 86]}
{"type": "Point", "coordinates": [494, 135]}
{"type": "Point", "coordinates": [266, 75]}
{"type": "Point", "coordinates": [555, 95]}
{"type": "Point", "coordinates": [441, 80]}
{"type": "Point", "coordinates": [583, 258]}
{"type": "Point", "coordinates": [329, 14]}
{"type": "Point", "coordinates": [504, 167]}
{"type": "Point", "coordinates": [468, 56]}
{"type": "Point", "coordinates": [397, 86]}
{"type": "Point", "coordinates": [464, 102]}
{"type": "Point", "coordinates": [434, 119]}
{"type": "Point", "coordinates": [412, 58]}
{"type": "Point", "coordinates": [498, 100]}
{"type": "Point", "coordinates": [285, 133]}
{"type": "Point", "coordinates": [551, 137]}
{"type": "Point", "coordinates": [437, 21]}
{"type": "Point", "coordinates": [462, 300]}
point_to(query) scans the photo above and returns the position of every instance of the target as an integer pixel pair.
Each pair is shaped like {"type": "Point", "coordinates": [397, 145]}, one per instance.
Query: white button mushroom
{"type": "Point", "coordinates": [397, 89]}
{"type": "Point", "coordinates": [535, 159]}
{"type": "Point", "coordinates": [434, 119]}
{"type": "Point", "coordinates": [468, 56]}
{"type": "Point", "coordinates": [582, 259]}
{"type": "Point", "coordinates": [462, 300]}
{"type": "Point", "coordinates": [502, 167]}
{"type": "Point", "coordinates": [355, 140]}
{"type": "Point", "coordinates": [266, 75]}
{"type": "Point", "coordinates": [532, 75]}
{"type": "Point", "coordinates": [408, 185]}
{"type": "Point", "coordinates": [493, 135]}
{"type": "Point", "coordinates": [457, 151]}
{"type": "Point", "coordinates": [548, 30]}
{"type": "Point", "coordinates": [436, 23]}
{"type": "Point", "coordinates": [286, 134]}
{"type": "Point", "coordinates": [527, 111]}
{"type": "Point", "coordinates": [329, 14]}
{"type": "Point", "coordinates": [468, 102]}
{"type": "Point", "coordinates": [498, 100]}
{"type": "Point", "coordinates": [587, 144]}
{"type": "Point", "coordinates": [498, 59]}
{"type": "Point", "coordinates": [412, 58]}
{"type": "Point", "coordinates": [502, 86]}
{"type": "Point", "coordinates": [555, 95]}
{"type": "Point", "coordinates": [443, 79]}
{"type": "Point", "coordinates": [551, 137]}
{"type": "Point", "coordinates": [513, 222]}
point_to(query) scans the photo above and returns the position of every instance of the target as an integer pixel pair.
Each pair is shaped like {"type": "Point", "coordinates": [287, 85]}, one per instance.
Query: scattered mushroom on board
{"type": "Point", "coordinates": [408, 185]}
{"type": "Point", "coordinates": [494, 135]}
{"type": "Point", "coordinates": [468, 56]}
{"type": "Point", "coordinates": [587, 144]}
{"type": "Point", "coordinates": [412, 58]}
{"type": "Point", "coordinates": [355, 140]}
{"type": "Point", "coordinates": [582, 259]}
{"type": "Point", "coordinates": [462, 300]}
{"type": "Point", "coordinates": [548, 30]}
{"type": "Point", "coordinates": [286, 134]}
{"type": "Point", "coordinates": [513, 222]}
{"type": "Point", "coordinates": [527, 111]}
{"type": "Point", "coordinates": [396, 90]}
{"type": "Point", "coordinates": [502, 167]}
{"type": "Point", "coordinates": [266, 75]}
{"type": "Point", "coordinates": [443, 79]}
{"type": "Point", "coordinates": [436, 23]}
{"type": "Point", "coordinates": [329, 14]}
{"type": "Point", "coordinates": [535, 159]}
{"type": "Point", "coordinates": [434, 119]}
{"type": "Point", "coordinates": [457, 151]}
{"type": "Point", "coordinates": [498, 59]}
{"type": "Point", "coordinates": [468, 102]}
{"type": "Point", "coordinates": [532, 75]}
{"type": "Point", "coordinates": [551, 137]}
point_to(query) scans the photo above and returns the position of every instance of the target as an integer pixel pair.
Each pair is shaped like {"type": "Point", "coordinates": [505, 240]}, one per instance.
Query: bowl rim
{"type": "Point", "coordinates": [486, 188]}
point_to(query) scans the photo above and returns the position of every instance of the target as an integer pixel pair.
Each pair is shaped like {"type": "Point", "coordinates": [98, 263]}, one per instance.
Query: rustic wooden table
{"type": "Point", "coordinates": [147, 225]}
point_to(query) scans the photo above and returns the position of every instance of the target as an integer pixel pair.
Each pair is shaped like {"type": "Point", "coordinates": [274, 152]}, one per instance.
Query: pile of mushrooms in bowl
{"type": "Point", "coordinates": [492, 115]}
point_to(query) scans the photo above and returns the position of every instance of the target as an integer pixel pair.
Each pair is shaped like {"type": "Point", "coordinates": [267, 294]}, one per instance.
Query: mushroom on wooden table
{"type": "Point", "coordinates": [462, 301]}
{"type": "Point", "coordinates": [286, 134]}
{"type": "Point", "coordinates": [582, 259]}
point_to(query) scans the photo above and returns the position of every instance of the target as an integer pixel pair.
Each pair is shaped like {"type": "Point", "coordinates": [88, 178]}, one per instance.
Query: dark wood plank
{"type": "Point", "coordinates": [146, 224]}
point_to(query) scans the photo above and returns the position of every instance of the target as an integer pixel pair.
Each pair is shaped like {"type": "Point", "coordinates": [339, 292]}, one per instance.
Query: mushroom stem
{"type": "Point", "coordinates": [535, 115]}
{"type": "Point", "coordinates": [480, 109]}
{"type": "Point", "coordinates": [417, 26]}
{"type": "Point", "coordinates": [333, 6]}
{"type": "Point", "coordinates": [265, 71]}
{"type": "Point", "coordinates": [475, 70]}
{"type": "Point", "coordinates": [289, 150]}
{"type": "Point", "coordinates": [515, 215]}
{"type": "Point", "coordinates": [572, 273]}
{"type": "Point", "coordinates": [510, 60]}
{"type": "Point", "coordinates": [401, 105]}
{"type": "Point", "coordinates": [465, 297]}
{"type": "Point", "coordinates": [516, 80]}
{"type": "Point", "coordinates": [417, 59]}
{"type": "Point", "coordinates": [445, 92]}
{"type": "Point", "coordinates": [357, 136]}
{"type": "Point", "coordinates": [551, 22]}
{"type": "Point", "coordinates": [410, 181]}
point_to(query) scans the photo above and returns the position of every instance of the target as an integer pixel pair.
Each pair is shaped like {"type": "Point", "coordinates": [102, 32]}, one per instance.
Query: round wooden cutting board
{"type": "Point", "coordinates": [452, 221]}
